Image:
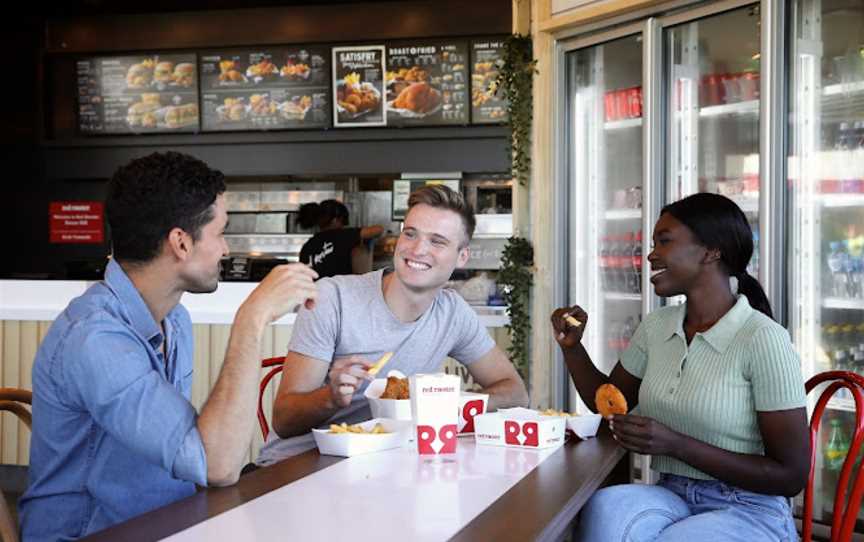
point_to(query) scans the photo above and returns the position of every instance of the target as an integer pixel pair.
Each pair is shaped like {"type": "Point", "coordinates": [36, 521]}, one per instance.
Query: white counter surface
{"type": "Point", "coordinates": [44, 299]}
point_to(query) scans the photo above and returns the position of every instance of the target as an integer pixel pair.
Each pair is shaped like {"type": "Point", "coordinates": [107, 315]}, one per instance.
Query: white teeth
{"type": "Point", "coordinates": [417, 265]}
{"type": "Point", "coordinates": [656, 272]}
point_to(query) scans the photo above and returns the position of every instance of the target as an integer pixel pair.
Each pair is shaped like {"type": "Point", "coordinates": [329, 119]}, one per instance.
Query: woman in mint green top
{"type": "Point", "coordinates": [719, 390]}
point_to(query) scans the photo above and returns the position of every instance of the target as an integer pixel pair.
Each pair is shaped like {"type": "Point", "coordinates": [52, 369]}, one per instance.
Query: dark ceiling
{"type": "Point", "coordinates": [71, 8]}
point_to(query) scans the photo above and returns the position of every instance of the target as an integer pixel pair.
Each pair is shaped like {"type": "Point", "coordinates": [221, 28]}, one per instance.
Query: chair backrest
{"type": "Point", "coordinates": [11, 400]}
{"type": "Point", "coordinates": [276, 364]}
{"type": "Point", "coordinates": [844, 517]}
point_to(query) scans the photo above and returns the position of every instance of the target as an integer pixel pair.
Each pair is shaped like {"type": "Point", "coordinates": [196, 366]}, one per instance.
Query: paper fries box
{"type": "Point", "coordinates": [523, 431]}
{"type": "Point", "coordinates": [470, 405]}
{"type": "Point", "coordinates": [584, 426]}
{"type": "Point", "coordinates": [350, 444]}
{"type": "Point", "coordinates": [397, 409]}
{"type": "Point", "coordinates": [435, 404]}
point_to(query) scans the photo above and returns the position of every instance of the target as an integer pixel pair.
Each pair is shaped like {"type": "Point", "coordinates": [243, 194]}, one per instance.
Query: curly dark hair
{"type": "Point", "coordinates": [150, 196]}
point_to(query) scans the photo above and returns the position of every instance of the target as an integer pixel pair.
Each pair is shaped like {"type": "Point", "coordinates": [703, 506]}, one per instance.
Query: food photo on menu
{"type": "Point", "coordinates": [273, 88]}
{"type": "Point", "coordinates": [138, 94]}
{"type": "Point", "coordinates": [426, 84]}
{"type": "Point", "coordinates": [487, 104]}
{"type": "Point", "coordinates": [358, 86]}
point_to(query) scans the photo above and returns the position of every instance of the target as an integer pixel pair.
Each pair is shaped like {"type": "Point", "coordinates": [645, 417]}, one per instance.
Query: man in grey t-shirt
{"type": "Point", "coordinates": [407, 312]}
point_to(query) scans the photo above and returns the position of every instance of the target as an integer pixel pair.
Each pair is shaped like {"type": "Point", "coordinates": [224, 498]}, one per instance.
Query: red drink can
{"type": "Point", "coordinates": [609, 104]}
{"type": "Point", "coordinates": [714, 90]}
{"type": "Point", "coordinates": [634, 102]}
{"type": "Point", "coordinates": [621, 108]}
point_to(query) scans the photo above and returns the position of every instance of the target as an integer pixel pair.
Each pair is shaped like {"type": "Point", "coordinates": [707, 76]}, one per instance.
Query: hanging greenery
{"type": "Point", "coordinates": [516, 279]}
{"type": "Point", "coordinates": [515, 81]}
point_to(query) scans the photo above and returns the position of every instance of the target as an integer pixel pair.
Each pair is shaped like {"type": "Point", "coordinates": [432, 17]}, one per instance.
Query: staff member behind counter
{"type": "Point", "coordinates": [335, 249]}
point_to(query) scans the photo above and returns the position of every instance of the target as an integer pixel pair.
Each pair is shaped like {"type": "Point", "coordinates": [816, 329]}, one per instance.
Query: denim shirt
{"type": "Point", "coordinates": [114, 434]}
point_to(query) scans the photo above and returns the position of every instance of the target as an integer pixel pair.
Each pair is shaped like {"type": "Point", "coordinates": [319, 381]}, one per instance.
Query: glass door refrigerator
{"type": "Point", "coordinates": [604, 112]}
{"type": "Point", "coordinates": [712, 67]}
{"type": "Point", "coordinates": [826, 199]}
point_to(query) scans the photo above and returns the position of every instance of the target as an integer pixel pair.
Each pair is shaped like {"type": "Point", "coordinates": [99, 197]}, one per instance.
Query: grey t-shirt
{"type": "Point", "coordinates": [352, 318]}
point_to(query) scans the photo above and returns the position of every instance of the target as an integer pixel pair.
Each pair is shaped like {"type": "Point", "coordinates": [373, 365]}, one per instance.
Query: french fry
{"type": "Point", "coordinates": [572, 321]}
{"type": "Point", "coordinates": [378, 365]}
{"type": "Point", "coordinates": [345, 429]}
{"type": "Point", "coordinates": [553, 412]}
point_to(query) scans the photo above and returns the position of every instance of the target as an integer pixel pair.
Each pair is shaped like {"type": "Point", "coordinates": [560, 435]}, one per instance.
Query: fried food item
{"type": "Point", "coordinates": [181, 115]}
{"type": "Point", "coordinates": [397, 388]}
{"type": "Point", "coordinates": [297, 71]}
{"type": "Point", "coordinates": [344, 428]}
{"type": "Point", "coordinates": [609, 400]}
{"type": "Point", "coordinates": [414, 74]}
{"type": "Point", "coordinates": [553, 412]}
{"type": "Point", "coordinates": [373, 370]}
{"type": "Point", "coordinates": [263, 69]}
{"type": "Point", "coordinates": [572, 321]}
{"type": "Point", "coordinates": [418, 97]}
{"type": "Point", "coordinates": [355, 97]}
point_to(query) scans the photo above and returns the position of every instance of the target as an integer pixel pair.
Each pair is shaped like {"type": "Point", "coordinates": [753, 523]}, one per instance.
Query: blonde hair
{"type": "Point", "coordinates": [440, 196]}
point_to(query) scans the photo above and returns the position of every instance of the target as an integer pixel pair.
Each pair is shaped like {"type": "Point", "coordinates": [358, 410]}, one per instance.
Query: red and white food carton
{"type": "Point", "coordinates": [471, 405]}
{"type": "Point", "coordinates": [435, 405]}
{"type": "Point", "coordinates": [397, 409]}
{"type": "Point", "coordinates": [520, 427]}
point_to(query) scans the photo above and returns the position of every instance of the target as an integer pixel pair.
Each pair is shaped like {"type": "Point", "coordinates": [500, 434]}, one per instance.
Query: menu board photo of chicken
{"type": "Point", "coordinates": [487, 105]}
{"type": "Point", "coordinates": [138, 94]}
{"type": "Point", "coordinates": [358, 86]}
{"type": "Point", "coordinates": [273, 88]}
{"type": "Point", "coordinates": [427, 83]}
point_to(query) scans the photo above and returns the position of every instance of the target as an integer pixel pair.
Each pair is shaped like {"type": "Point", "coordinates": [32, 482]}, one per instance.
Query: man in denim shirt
{"type": "Point", "coordinates": [114, 434]}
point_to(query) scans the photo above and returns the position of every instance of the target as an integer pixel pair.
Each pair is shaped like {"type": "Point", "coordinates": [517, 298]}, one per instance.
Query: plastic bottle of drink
{"type": "Point", "coordinates": [605, 245]}
{"type": "Point", "coordinates": [753, 266]}
{"type": "Point", "coordinates": [616, 282]}
{"type": "Point", "coordinates": [835, 266]}
{"type": "Point", "coordinates": [624, 259]}
{"type": "Point", "coordinates": [636, 263]}
{"type": "Point", "coordinates": [847, 266]}
{"type": "Point", "coordinates": [837, 446]}
{"type": "Point", "coordinates": [831, 345]}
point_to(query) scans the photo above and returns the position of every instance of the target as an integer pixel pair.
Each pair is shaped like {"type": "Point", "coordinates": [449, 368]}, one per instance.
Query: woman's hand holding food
{"type": "Point", "coordinates": [568, 325]}
{"type": "Point", "coordinates": [345, 377]}
{"type": "Point", "coordinates": [644, 435]}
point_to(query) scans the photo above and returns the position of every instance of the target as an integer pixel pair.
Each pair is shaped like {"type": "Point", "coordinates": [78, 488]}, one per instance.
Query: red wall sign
{"type": "Point", "coordinates": [76, 221]}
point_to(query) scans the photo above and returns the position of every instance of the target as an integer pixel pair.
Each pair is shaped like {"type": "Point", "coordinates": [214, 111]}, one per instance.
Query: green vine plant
{"type": "Point", "coordinates": [515, 81]}
{"type": "Point", "coordinates": [516, 279]}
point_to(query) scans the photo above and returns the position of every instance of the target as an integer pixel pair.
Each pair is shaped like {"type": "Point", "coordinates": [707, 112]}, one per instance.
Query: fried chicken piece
{"type": "Point", "coordinates": [419, 97]}
{"type": "Point", "coordinates": [397, 388]}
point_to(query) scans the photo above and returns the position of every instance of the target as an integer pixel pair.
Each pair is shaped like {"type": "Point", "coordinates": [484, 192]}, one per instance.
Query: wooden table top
{"type": "Point", "coordinates": [546, 499]}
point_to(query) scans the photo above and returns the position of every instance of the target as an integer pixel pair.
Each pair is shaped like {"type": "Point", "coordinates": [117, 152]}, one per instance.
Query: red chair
{"type": "Point", "coordinates": [276, 363]}
{"type": "Point", "coordinates": [843, 521]}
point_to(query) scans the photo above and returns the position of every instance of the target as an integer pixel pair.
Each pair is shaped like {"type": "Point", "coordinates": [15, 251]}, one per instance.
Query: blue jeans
{"type": "Point", "coordinates": [680, 509]}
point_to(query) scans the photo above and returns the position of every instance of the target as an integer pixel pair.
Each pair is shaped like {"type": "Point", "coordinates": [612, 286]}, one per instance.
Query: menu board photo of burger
{"type": "Point", "coordinates": [427, 83]}
{"type": "Point", "coordinates": [487, 105]}
{"type": "Point", "coordinates": [138, 94]}
{"type": "Point", "coordinates": [272, 88]}
{"type": "Point", "coordinates": [358, 86]}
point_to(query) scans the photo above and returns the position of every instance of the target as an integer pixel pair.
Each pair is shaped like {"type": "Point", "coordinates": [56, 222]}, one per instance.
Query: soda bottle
{"type": "Point", "coordinates": [837, 446]}
{"type": "Point", "coordinates": [616, 282]}
{"type": "Point", "coordinates": [636, 263]}
{"type": "Point", "coordinates": [605, 270]}
{"type": "Point", "coordinates": [624, 261]}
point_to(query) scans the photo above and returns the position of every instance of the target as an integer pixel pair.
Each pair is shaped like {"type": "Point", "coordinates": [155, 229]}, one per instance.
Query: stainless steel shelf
{"type": "Point", "coordinates": [748, 107]}
{"type": "Point", "coordinates": [842, 200]}
{"type": "Point", "coordinates": [621, 296]}
{"type": "Point", "coordinates": [620, 124]}
{"type": "Point", "coordinates": [843, 303]}
{"type": "Point", "coordinates": [623, 214]}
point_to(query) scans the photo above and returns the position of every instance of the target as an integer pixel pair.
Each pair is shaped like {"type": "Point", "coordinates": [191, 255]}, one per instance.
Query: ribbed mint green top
{"type": "Point", "coordinates": [712, 389]}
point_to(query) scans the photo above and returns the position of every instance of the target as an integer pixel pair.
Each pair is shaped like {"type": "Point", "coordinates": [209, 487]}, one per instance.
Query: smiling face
{"type": "Point", "coordinates": [201, 271]}
{"type": "Point", "coordinates": [677, 259]}
{"type": "Point", "coordinates": [432, 244]}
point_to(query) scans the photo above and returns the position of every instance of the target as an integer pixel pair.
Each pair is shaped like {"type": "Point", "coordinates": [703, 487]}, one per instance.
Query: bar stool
{"type": "Point", "coordinates": [13, 400]}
